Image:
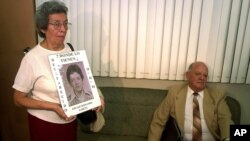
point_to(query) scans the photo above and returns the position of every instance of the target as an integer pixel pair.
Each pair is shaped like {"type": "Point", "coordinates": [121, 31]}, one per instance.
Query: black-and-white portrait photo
{"type": "Point", "coordinates": [75, 83]}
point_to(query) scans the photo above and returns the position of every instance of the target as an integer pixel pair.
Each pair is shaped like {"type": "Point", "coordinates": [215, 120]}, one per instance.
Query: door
{"type": "Point", "coordinates": [17, 32]}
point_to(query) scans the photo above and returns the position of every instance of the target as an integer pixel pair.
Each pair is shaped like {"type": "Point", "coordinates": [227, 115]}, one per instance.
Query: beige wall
{"type": "Point", "coordinates": [241, 92]}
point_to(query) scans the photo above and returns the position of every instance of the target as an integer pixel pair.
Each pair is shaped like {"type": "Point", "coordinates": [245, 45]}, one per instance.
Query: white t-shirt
{"type": "Point", "coordinates": [35, 77]}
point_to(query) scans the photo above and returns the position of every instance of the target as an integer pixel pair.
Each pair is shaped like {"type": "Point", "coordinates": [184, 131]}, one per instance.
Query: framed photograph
{"type": "Point", "coordinates": [75, 83]}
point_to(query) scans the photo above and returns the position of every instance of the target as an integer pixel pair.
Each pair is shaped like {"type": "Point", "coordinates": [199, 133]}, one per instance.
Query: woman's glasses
{"type": "Point", "coordinates": [57, 25]}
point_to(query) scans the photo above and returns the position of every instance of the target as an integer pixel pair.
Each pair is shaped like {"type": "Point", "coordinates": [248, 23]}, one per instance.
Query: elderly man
{"type": "Point", "coordinates": [200, 111]}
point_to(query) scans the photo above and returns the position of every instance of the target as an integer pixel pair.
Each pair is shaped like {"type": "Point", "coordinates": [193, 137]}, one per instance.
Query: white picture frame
{"type": "Point", "coordinates": [60, 64]}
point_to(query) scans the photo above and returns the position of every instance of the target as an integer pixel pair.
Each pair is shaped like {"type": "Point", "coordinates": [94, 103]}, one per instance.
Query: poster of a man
{"type": "Point", "coordinates": [75, 83]}
{"type": "Point", "coordinates": [80, 91]}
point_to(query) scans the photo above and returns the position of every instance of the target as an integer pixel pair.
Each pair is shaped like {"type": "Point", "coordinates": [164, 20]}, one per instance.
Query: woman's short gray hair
{"type": "Point", "coordinates": [43, 12]}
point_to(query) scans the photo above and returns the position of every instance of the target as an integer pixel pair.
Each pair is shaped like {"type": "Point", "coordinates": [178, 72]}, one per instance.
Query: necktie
{"type": "Point", "coordinates": [197, 132]}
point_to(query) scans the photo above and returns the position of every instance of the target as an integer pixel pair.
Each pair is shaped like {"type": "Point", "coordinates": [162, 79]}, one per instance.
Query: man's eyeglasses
{"type": "Point", "coordinates": [58, 25]}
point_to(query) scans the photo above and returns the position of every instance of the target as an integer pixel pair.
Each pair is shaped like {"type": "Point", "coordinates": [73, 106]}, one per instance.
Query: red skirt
{"type": "Point", "coordinates": [41, 130]}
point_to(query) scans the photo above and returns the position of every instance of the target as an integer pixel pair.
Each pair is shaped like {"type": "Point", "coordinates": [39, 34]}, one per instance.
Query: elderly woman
{"type": "Point", "coordinates": [34, 85]}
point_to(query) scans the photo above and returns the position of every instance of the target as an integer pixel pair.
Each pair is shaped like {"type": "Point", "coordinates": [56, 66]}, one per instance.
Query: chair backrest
{"type": "Point", "coordinates": [235, 109]}
{"type": "Point", "coordinates": [129, 111]}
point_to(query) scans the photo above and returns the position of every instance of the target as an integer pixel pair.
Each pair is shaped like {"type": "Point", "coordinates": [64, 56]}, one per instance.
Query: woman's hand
{"type": "Point", "coordinates": [58, 109]}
